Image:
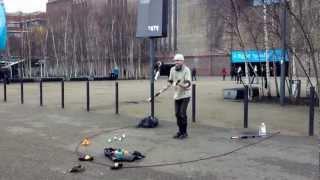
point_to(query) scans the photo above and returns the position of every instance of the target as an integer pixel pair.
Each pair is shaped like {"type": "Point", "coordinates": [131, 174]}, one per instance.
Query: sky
{"type": "Point", "coordinates": [25, 5]}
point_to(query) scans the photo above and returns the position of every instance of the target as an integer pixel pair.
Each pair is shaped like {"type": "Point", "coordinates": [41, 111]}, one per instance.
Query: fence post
{"type": "Point", "coordinates": [88, 95]}
{"type": "Point", "coordinates": [21, 92]}
{"type": "Point", "coordinates": [311, 111]}
{"type": "Point", "coordinates": [5, 91]}
{"type": "Point", "coordinates": [62, 93]}
{"type": "Point", "coordinates": [245, 102]}
{"type": "Point", "coordinates": [41, 98]}
{"type": "Point", "coordinates": [117, 98]}
{"type": "Point", "coordinates": [193, 102]}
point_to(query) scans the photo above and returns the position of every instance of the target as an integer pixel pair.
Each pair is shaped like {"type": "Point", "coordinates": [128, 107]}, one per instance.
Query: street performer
{"type": "Point", "coordinates": [180, 79]}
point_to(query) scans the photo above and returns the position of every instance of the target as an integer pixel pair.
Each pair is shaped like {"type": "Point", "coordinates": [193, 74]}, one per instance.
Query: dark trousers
{"type": "Point", "coordinates": [194, 77]}
{"type": "Point", "coordinates": [239, 79]}
{"type": "Point", "coordinates": [181, 106]}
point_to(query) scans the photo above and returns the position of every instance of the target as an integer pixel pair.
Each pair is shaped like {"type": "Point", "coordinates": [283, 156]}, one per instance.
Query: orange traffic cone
{"type": "Point", "coordinates": [85, 142]}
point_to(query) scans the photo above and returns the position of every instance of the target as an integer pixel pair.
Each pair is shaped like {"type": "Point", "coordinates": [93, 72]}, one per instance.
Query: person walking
{"type": "Point", "coordinates": [223, 73]}
{"type": "Point", "coordinates": [239, 75]}
{"type": "Point", "coordinates": [194, 74]}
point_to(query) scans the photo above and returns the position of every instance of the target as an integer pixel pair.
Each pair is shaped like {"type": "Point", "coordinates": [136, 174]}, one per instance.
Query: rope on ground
{"type": "Point", "coordinates": [174, 163]}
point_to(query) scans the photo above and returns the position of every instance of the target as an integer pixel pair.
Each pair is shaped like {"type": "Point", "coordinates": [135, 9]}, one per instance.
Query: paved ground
{"type": "Point", "coordinates": [39, 143]}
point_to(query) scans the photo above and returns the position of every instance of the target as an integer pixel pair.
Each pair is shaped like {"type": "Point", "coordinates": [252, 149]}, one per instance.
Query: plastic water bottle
{"type": "Point", "coordinates": [262, 130]}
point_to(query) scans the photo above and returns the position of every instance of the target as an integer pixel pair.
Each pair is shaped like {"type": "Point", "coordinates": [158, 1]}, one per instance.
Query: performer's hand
{"type": "Point", "coordinates": [183, 85]}
{"type": "Point", "coordinates": [176, 87]}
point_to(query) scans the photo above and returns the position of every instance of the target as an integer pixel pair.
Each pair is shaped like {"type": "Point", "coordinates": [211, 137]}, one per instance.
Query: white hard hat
{"type": "Point", "coordinates": [178, 57]}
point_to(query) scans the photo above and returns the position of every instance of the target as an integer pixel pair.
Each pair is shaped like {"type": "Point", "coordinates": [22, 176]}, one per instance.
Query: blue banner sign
{"type": "Point", "coordinates": [255, 56]}
{"type": "Point", "coordinates": [3, 27]}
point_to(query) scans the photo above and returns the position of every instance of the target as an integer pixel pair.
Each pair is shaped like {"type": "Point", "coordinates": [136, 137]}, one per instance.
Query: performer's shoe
{"type": "Point", "coordinates": [183, 136]}
{"type": "Point", "coordinates": [177, 135]}
{"type": "Point", "coordinates": [77, 169]}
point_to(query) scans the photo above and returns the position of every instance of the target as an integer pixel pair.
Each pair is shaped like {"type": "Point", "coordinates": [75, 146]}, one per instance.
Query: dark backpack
{"type": "Point", "coordinates": [148, 122]}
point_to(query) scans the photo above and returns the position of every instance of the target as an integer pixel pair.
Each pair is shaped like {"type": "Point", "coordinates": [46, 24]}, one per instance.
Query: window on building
{"type": "Point", "coordinates": [35, 23]}
{"type": "Point", "coordinates": [13, 25]}
{"type": "Point", "coordinates": [15, 34]}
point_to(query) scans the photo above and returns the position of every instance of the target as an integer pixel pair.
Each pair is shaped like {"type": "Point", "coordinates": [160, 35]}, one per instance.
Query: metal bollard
{"type": "Point", "coordinates": [41, 99]}
{"type": "Point", "coordinates": [21, 92]}
{"type": "Point", "coordinates": [5, 91]}
{"type": "Point", "coordinates": [152, 97]}
{"type": "Point", "coordinates": [117, 98]}
{"type": "Point", "coordinates": [193, 102]}
{"type": "Point", "coordinates": [88, 95]}
{"type": "Point", "coordinates": [62, 93]}
{"type": "Point", "coordinates": [245, 102]}
{"type": "Point", "coordinates": [311, 111]}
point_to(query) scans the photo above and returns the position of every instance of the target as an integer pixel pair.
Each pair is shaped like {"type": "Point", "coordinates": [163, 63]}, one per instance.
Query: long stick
{"type": "Point", "coordinates": [163, 90]}
{"type": "Point", "coordinates": [159, 92]}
